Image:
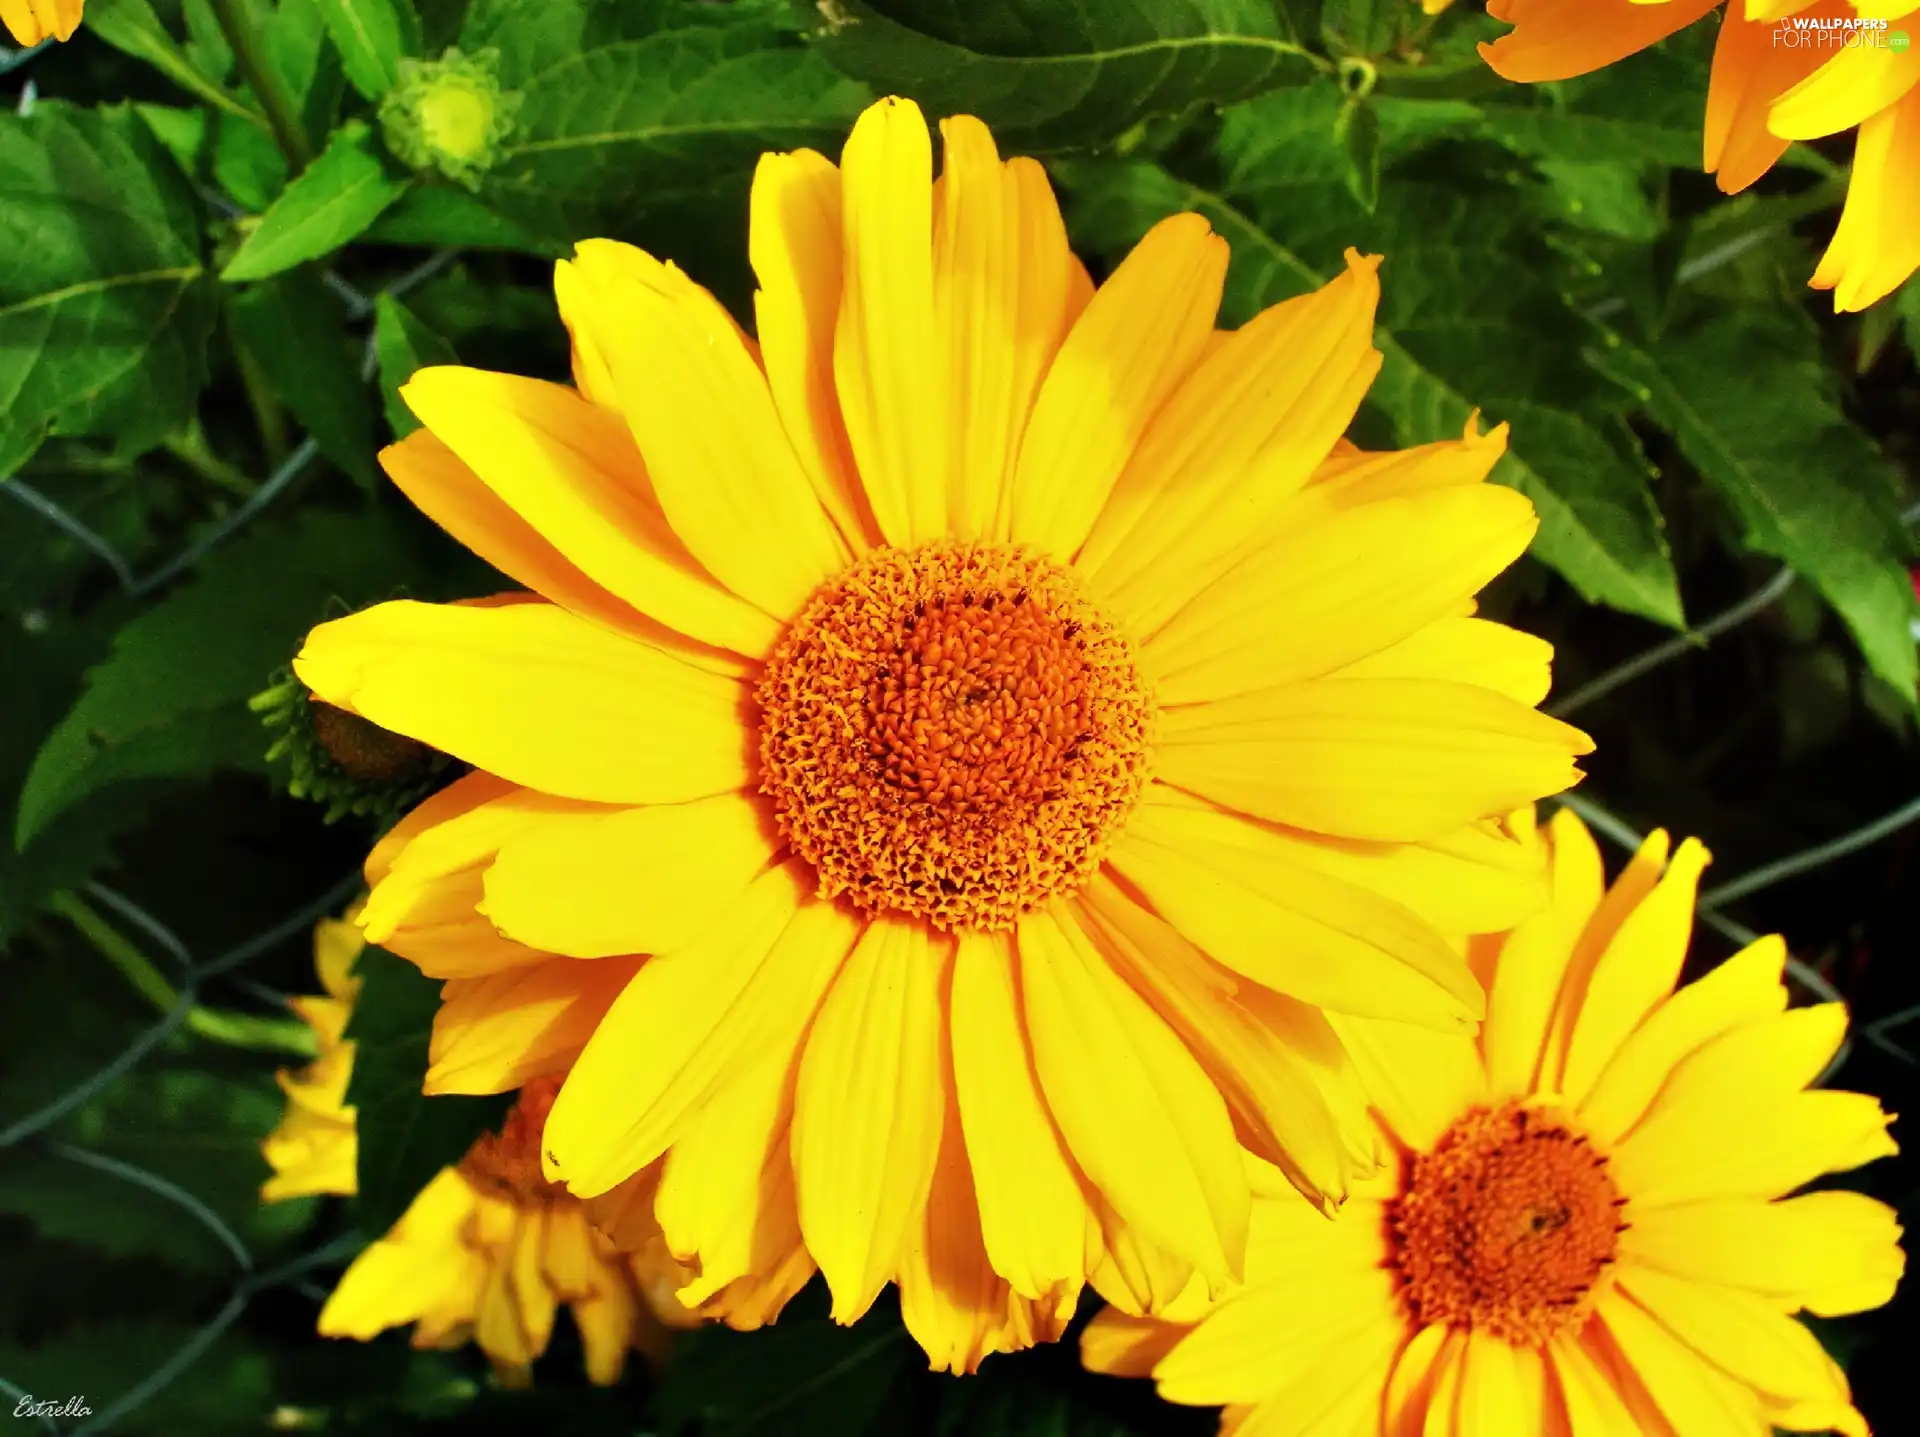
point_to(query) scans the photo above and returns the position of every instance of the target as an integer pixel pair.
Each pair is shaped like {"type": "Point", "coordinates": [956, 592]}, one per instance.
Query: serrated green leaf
{"type": "Point", "coordinates": [1748, 397]}
{"type": "Point", "coordinates": [371, 36]}
{"type": "Point", "coordinates": [1460, 329]}
{"type": "Point", "coordinates": [104, 298]}
{"type": "Point", "coordinates": [404, 343]}
{"type": "Point", "coordinates": [404, 1136]}
{"type": "Point", "coordinates": [655, 139]}
{"type": "Point", "coordinates": [183, 131]}
{"type": "Point", "coordinates": [291, 326]}
{"type": "Point", "coordinates": [247, 164]}
{"type": "Point", "coordinates": [331, 202]}
{"type": "Point", "coordinates": [294, 37]}
{"type": "Point", "coordinates": [169, 700]}
{"type": "Point", "coordinates": [1063, 76]}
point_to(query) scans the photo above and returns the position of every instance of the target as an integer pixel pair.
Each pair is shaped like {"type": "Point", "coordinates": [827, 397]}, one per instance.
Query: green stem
{"type": "Point", "coordinates": [191, 449]}
{"type": "Point", "coordinates": [283, 117]}
{"type": "Point", "coordinates": [236, 1030]}
{"type": "Point", "coordinates": [268, 415]}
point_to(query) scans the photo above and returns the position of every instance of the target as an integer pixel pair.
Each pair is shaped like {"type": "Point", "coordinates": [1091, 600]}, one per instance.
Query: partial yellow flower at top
{"type": "Point", "coordinates": [1006, 712]}
{"type": "Point", "coordinates": [1782, 71]}
{"type": "Point", "coordinates": [31, 21]}
{"type": "Point", "coordinates": [1585, 1226]}
{"type": "Point", "coordinates": [489, 1251]}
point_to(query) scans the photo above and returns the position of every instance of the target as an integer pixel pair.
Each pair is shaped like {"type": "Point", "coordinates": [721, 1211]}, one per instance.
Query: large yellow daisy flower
{"type": "Point", "coordinates": [1006, 712]}
{"type": "Point", "coordinates": [1771, 84]}
{"type": "Point", "coordinates": [490, 1250]}
{"type": "Point", "coordinates": [1584, 1228]}
{"type": "Point", "coordinates": [31, 21]}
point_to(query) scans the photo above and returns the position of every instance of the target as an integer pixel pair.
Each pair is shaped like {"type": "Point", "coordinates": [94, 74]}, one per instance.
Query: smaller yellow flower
{"type": "Point", "coordinates": [489, 1251]}
{"type": "Point", "coordinates": [1585, 1225]}
{"type": "Point", "coordinates": [31, 21]}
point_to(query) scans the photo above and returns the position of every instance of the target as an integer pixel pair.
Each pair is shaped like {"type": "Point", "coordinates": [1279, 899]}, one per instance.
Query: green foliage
{"type": "Point", "coordinates": [329, 204]}
{"type": "Point", "coordinates": [405, 1138]}
{"type": "Point", "coordinates": [404, 343]}
{"type": "Point", "coordinates": [169, 700]}
{"type": "Point", "coordinates": [232, 229]}
{"type": "Point", "coordinates": [104, 298]}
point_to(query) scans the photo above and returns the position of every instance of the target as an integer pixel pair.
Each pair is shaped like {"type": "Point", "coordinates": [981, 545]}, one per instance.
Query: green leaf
{"type": "Point", "coordinates": [169, 700]}
{"type": "Point", "coordinates": [104, 300]}
{"type": "Point", "coordinates": [227, 1388]}
{"type": "Point", "coordinates": [371, 36]}
{"type": "Point", "coordinates": [183, 131]}
{"type": "Point", "coordinates": [1462, 327]}
{"type": "Point", "coordinates": [404, 344]}
{"type": "Point", "coordinates": [331, 202]}
{"type": "Point", "coordinates": [655, 139]}
{"type": "Point", "coordinates": [803, 1375]}
{"type": "Point", "coordinates": [197, 1130]}
{"type": "Point", "coordinates": [291, 326]}
{"type": "Point", "coordinates": [1750, 400]}
{"type": "Point", "coordinates": [1363, 27]}
{"type": "Point", "coordinates": [1048, 77]}
{"type": "Point", "coordinates": [132, 27]}
{"type": "Point", "coordinates": [442, 217]}
{"type": "Point", "coordinates": [1357, 132]}
{"type": "Point", "coordinates": [294, 36]}
{"type": "Point", "coordinates": [404, 1136]}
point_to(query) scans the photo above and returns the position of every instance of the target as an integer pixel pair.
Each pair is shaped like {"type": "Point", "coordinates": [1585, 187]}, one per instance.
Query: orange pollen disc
{"type": "Point", "coordinates": [508, 1162]}
{"type": "Point", "coordinates": [952, 732]}
{"type": "Point", "coordinates": [1506, 1225]}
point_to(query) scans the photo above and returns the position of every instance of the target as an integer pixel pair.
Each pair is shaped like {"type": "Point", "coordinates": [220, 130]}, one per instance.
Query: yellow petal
{"type": "Point", "coordinates": [1388, 759]}
{"type": "Point", "coordinates": [1419, 1080]}
{"type": "Point", "coordinates": [951, 1300]}
{"type": "Point", "coordinates": [537, 696]}
{"type": "Point", "coordinates": [1558, 39]}
{"type": "Point", "coordinates": [1503, 1388]}
{"type": "Point", "coordinates": [419, 1264]}
{"type": "Point", "coordinates": [1032, 1216]}
{"type": "Point", "coordinates": [1339, 1393]}
{"type": "Point", "coordinates": [1729, 1123]}
{"type": "Point", "coordinates": [1263, 1341]}
{"type": "Point", "coordinates": [1747, 986]}
{"type": "Point", "coordinates": [1877, 243]}
{"type": "Point", "coordinates": [674, 1034]}
{"type": "Point", "coordinates": [1635, 971]}
{"type": "Point", "coordinates": [1830, 1252]}
{"type": "Point", "coordinates": [499, 1032]}
{"type": "Point", "coordinates": [1533, 958]}
{"type": "Point", "coordinates": [443, 488]}
{"type": "Point", "coordinates": [1742, 1333]}
{"type": "Point", "coordinates": [1122, 1345]}
{"type": "Point", "coordinates": [1467, 651]}
{"type": "Point", "coordinates": [1697, 1399]}
{"type": "Point", "coordinates": [794, 243]}
{"type": "Point", "coordinates": [1240, 436]}
{"type": "Point", "coordinates": [1353, 476]}
{"type": "Point", "coordinates": [1000, 288]}
{"type": "Point", "coordinates": [1291, 928]}
{"type": "Point", "coordinates": [628, 880]}
{"type": "Point", "coordinates": [888, 366]}
{"type": "Point", "coordinates": [1590, 1396]}
{"type": "Point", "coordinates": [570, 471]}
{"type": "Point", "coordinates": [1859, 82]}
{"type": "Point", "coordinates": [1140, 1116]}
{"type": "Point", "coordinates": [516, 1311]}
{"type": "Point", "coordinates": [1292, 1088]}
{"type": "Point", "coordinates": [1433, 1350]}
{"type": "Point", "coordinates": [868, 1110]}
{"type": "Point", "coordinates": [1125, 355]}
{"type": "Point", "coordinates": [1136, 1275]}
{"type": "Point", "coordinates": [700, 410]}
{"type": "Point", "coordinates": [1473, 880]}
{"type": "Point", "coordinates": [1330, 594]}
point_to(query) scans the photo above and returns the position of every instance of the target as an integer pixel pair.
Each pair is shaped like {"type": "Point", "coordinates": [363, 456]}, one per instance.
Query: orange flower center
{"type": "Point", "coordinates": [1506, 1225]}
{"type": "Point", "coordinates": [508, 1162]}
{"type": "Point", "coordinates": [952, 732]}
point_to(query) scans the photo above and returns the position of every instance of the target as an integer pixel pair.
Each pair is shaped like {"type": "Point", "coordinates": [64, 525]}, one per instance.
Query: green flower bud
{"type": "Point", "coordinates": [449, 115]}
{"type": "Point", "coordinates": [339, 759]}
